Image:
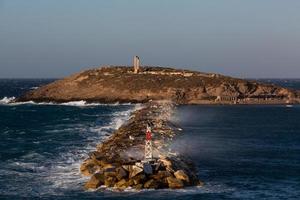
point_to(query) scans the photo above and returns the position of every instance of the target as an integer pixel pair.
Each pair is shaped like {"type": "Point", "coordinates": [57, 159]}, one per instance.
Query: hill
{"type": "Point", "coordinates": [110, 84]}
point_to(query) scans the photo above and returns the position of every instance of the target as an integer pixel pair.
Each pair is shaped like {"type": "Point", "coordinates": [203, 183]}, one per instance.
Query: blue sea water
{"type": "Point", "coordinates": [241, 152]}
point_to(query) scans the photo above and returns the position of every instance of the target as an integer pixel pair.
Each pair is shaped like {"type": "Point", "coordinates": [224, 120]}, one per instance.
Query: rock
{"type": "Point", "coordinates": [174, 183]}
{"type": "Point", "coordinates": [131, 137]}
{"type": "Point", "coordinates": [110, 174]}
{"type": "Point", "coordinates": [200, 183]}
{"type": "Point", "coordinates": [126, 167]}
{"type": "Point", "coordinates": [130, 182]}
{"type": "Point", "coordinates": [108, 167]}
{"type": "Point", "coordinates": [181, 175]}
{"type": "Point", "coordinates": [96, 155]}
{"type": "Point", "coordinates": [121, 183]}
{"type": "Point", "coordinates": [135, 170]}
{"type": "Point", "coordinates": [110, 181]}
{"type": "Point", "coordinates": [138, 186]}
{"type": "Point", "coordinates": [159, 167]}
{"type": "Point", "coordinates": [89, 167]}
{"type": "Point", "coordinates": [104, 162]}
{"type": "Point", "coordinates": [139, 179]}
{"type": "Point", "coordinates": [96, 181]}
{"type": "Point", "coordinates": [161, 175]}
{"type": "Point", "coordinates": [121, 173]}
{"type": "Point", "coordinates": [166, 163]}
{"type": "Point", "coordinates": [153, 184]}
{"type": "Point", "coordinates": [139, 164]}
{"type": "Point", "coordinates": [148, 169]}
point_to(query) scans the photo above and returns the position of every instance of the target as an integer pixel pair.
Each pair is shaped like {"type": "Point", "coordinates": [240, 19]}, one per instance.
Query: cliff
{"type": "Point", "coordinates": [110, 84]}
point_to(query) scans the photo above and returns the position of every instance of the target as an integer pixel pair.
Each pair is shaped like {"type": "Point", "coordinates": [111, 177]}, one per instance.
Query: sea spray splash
{"type": "Point", "coordinates": [82, 103]}
{"type": "Point", "coordinates": [7, 100]}
{"type": "Point", "coordinates": [56, 146]}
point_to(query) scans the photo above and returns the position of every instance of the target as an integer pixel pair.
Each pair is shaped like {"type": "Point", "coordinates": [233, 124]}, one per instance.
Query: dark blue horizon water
{"type": "Point", "coordinates": [241, 152]}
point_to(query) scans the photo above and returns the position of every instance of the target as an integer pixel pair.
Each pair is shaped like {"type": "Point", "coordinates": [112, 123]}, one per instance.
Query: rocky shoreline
{"type": "Point", "coordinates": [119, 162]}
{"type": "Point", "coordinates": [111, 84]}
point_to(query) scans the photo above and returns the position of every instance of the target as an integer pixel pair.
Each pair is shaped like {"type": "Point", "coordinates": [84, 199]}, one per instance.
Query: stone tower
{"type": "Point", "coordinates": [136, 64]}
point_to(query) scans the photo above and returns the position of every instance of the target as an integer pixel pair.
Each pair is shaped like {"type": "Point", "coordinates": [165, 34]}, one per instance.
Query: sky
{"type": "Point", "coordinates": [55, 38]}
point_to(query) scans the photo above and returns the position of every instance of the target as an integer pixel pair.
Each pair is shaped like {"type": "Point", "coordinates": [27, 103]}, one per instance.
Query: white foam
{"type": "Point", "coordinates": [209, 187]}
{"type": "Point", "coordinates": [75, 103]}
{"type": "Point", "coordinates": [57, 175]}
{"type": "Point", "coordinates": [7, 100]}
{"type": "Point", "coordinates": [65, 174]}
{"type": "Point", "coordinates": [81, 103]}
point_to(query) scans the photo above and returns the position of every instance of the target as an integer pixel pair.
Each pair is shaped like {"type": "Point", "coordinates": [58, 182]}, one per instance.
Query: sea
{"type": "Point", "coordinates": [240, 152]}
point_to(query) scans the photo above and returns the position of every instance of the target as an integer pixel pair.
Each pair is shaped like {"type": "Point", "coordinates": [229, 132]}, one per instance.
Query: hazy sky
{"type": "Point", "coordinates": [54, 38]}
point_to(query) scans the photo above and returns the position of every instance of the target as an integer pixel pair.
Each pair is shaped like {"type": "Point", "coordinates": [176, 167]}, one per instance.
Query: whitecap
{"type": "Point", "coordinates": [7, 100]}
{"type": "Point", "coordinates": [75, 103]}
{"type": "Point", "coordinates": [56, 175]}
{"type": "Point", "coordinates": [64, 173]}
{"type": "Point", "coordinates": [81, 103]}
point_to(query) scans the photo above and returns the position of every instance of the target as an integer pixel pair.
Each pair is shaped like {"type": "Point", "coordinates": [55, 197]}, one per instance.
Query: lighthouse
{"type": "Point", "coordinates": [148, 144]}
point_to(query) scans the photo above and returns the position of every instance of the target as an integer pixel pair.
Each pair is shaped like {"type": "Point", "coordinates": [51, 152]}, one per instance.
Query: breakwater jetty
{"type": "Point", "coordinates": [120, 161]}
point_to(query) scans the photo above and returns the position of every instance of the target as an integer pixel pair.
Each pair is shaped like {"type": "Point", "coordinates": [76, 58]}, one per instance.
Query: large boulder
{"type": "Point", "coordinates": [126, 167]}
{"type": "Point", "coordinates": [96, 181]}
{"type": "Point", "coordinates": [121, 173]}
{"type": "Point", "coordinates": [96, 155]}
{"type": "Point", "coordinates": [151, 184]}
{"type": "Point", "coordinates": [167, 163]}
{"type": "Point", "coordinates": [110, 181]}
{"type": "Point", "coordinates": [158, 167]}
{"type": "Point", "coordinates": [174, 183]}
{"type": "Point", "coordinates": [121, 184]}
{"type": "Point", "coordinates": [108, 167]}
{"type": "Point", "coordinates": [161, 175]}
{"type": "Point", "coordinates": [135, 170]}
{"type": "Point", "coordinates": [138, 186]}
{"type": "Point", "coordinates": [89, 167]}
{"type": "Point", "coordinates": [181, 175]}
{"type": "Point", "coordinates": [129, 183]}
{"type": "Point", "coordinates": [110, 174]}
{"type": "Point", "coordinates": [139, 179]}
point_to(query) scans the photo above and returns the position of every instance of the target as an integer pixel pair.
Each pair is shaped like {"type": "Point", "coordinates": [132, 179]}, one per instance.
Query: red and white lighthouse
{"type": "Point", "coordinates": [148, 144]}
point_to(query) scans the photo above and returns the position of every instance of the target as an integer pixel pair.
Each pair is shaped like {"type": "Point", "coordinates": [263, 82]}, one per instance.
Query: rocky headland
{"type": "Point", "coordinates": [119, 162]}
{"type": "Point", "coordinates": [111, 84]}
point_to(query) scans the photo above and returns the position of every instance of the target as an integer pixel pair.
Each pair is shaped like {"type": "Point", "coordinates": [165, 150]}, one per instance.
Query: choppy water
{"type": "Point", "coordinates": [242, 152]}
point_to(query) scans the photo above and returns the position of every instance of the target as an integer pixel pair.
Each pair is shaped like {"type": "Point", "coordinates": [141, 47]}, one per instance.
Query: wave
{"type": "Point", "coordinates": [208, 188]}
{"type": "Point", "coordinates": [82, 103]}
{"type": "Point", "coordinates": [48, 174]}
{"type": "Point", "coordinates": [7, 100]}
{"type": "Point", "coordinates": [65, 175]}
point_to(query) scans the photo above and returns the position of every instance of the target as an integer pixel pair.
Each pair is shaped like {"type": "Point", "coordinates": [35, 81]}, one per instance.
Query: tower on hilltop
{"type": "Point", "coordinates": [136, 64]}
